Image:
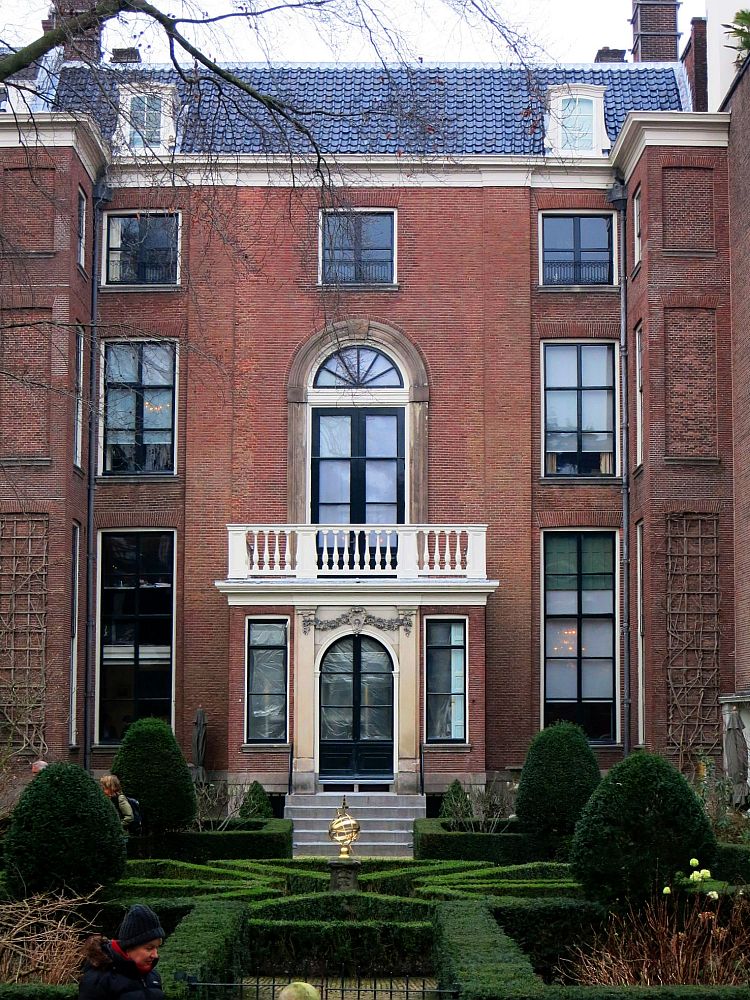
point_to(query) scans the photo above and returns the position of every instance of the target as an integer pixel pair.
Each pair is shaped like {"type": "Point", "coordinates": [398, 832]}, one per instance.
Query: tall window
{"type": "Point", "coordinates": [358, 248]}
{"type": "Point", "coordinates": [637, 245]}
{"type": "Point", "coordinates": [81, 229]}
{"type": "Point", "coordinates": [75, 550]}
{"type": "Point", "coordinates": [577, 250]}
{"type": "Point", "coordinates": [579, 402]}
{"type": "Point", "coordinates": [136, 622]}
{"type": "Point", "coordinates": [145, 120]}
{"type": "Point", "coordinates": [446, 680]}
{"type": "Point", "coordinates": [142, 249]}
{"type": "Point", "coordinates": [139, 393]}
{"type": "Point", "coordinates": [639, 394]}
{"type": "Point", "coordinates": [78, 398]}
{"type": "Point", "coordinates": [579, 631]}
{"type": "Point", "coordinates": [266, 681]}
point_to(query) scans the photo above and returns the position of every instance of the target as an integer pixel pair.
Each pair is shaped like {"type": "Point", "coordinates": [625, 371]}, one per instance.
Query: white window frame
{"type": "Point", "coordinates": [75, 555]}
{"type": "Point", "coordinates": [119, 477]}
{"type": "Point", "coordinates": [81, 223]}
{"type": "Point", "coordinates": [639, 394]}
{"type": "Point", "coordinates": [586, 341]}
{"type": "Point", "coordinates": [447, 744]}
{"type": "Point", "coordinates": [105, 248]}
{"type": "Point", "coordinates": [122, 139]}
{"type": "Point", "coordinates": [261, 744]}
{"type": "Point", "coordinates": [615, 626]}
{"type": "Point", "coordinates": [580, 212]}
{"type": "Point", "coordinates": [97, 686]}
{"type": "Point", "coordinates": [78, 378]}
{"type": "Point", "coordinates": [637, 223]}
{"type": "Point", "coordinates": [641, 636]}
{"type": "Point", "coordinates": [555, 129]}
{"type": "Point", "coordinates": [323, 212]}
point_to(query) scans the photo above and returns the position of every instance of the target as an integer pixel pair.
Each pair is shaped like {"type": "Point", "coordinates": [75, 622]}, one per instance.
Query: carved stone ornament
{"type": "Point", "coordinates": [357, 619]}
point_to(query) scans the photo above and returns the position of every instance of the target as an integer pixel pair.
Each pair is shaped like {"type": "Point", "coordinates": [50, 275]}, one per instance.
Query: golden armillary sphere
{"type": "Point", "coordinates": [344, 830]}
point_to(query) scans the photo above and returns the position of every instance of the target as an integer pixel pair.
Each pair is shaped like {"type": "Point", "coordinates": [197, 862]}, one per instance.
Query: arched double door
{"type": "Point", "coordinates": [356, 710]}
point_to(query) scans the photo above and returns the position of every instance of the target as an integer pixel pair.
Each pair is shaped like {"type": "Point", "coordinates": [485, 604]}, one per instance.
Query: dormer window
{"type": "Point", "coordinates": [147, 119]}
{"type": "Point", "coordinates": [575, 124]}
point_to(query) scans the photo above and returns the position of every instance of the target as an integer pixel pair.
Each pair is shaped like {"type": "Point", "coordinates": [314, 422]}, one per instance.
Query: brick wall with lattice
{"type": "Point", "coordinates": [24, 560]}
{"type": "Point", "coordinates": [693, 635]}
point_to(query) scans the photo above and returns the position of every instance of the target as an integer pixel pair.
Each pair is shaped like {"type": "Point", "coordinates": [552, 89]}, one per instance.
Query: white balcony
{"type": "Point", "coordinates": [414, 552]}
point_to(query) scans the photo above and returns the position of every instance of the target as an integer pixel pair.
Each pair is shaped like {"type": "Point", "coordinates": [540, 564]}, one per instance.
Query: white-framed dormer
{"type": "Point", "coordinates": [147, 118]}
{"type": "Point", "coordinates": [575, 125]}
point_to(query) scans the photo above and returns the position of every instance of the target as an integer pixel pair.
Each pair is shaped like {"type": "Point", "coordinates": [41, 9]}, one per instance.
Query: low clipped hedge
{"type": "Point", "coordinates": [433, 840]}
{"type": "Point", "coordinates": [273, 839]}
{"type": "Point", "coordinates": [37, 991]}
{"type": "Point", "coordinates": [476, 957]}
{"type": "Point", "coordinates": [732, 863]}
{"type": "Point", "coordinates": [210, 944]}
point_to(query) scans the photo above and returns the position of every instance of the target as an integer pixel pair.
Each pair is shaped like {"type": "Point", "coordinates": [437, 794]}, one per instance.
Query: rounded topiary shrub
{"type": "Point", "coordinates": [642, 824]}
{"type": "Point", "coordinates": [256, 803]}
{"type": "Point", "coordinates": [152, 769]}
{"type": "Point", "coordinates": [559, 774]}
{"type": "Point", "coordinates": [63, 835]}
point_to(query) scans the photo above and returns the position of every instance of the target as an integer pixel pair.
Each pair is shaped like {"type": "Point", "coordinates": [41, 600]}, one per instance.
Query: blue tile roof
{"type": "Point", "coordinates": [367, 109]}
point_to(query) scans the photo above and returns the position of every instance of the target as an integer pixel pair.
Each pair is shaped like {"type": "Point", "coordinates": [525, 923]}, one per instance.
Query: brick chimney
{"type": "Point", "coordinates": [607, 55]}
{"type": "Point", "coordinates": [655, 34]}
{"type": "Point", "coordinates": [695, 61]}
{"type": "Point", "coordinates": [84, 46]}
{"type": "Point", "coordinates": [124, 56]}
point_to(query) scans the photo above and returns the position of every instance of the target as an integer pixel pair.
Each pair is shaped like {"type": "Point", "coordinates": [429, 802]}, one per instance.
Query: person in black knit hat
{"type": "Point", "coordinates": [123, 968]}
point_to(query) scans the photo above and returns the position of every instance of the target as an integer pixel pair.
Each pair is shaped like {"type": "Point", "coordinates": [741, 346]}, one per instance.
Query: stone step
{"type": "Point", "coordinates": [364, 815]}
{"type": "Point", "coordinates": [356, 799]}
{"type": "Point", "coordinates": [373, 836]}
{"type": "Point", "coordinates": [375, 823]}
{"type": "Point", "coordinates": [328, 850]}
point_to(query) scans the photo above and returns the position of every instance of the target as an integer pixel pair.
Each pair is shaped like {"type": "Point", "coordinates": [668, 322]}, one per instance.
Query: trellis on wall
{"type": "Point", "coordinates": [693, 627]}
{"type": "Point", "coordinates": [24, 560]}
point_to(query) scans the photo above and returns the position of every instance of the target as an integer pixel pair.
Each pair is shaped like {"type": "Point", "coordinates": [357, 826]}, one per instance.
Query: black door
{"type": "Point", "coordinates": [356, 710]}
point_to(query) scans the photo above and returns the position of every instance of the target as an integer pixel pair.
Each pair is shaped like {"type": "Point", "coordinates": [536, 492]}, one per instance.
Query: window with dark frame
{"type": "Point", "coordinates": [267, 681]}
{"type": "Point", "coordinates": [577, 250]}
{"type": "Point", "coordinates": [81, 229]}
{"type": "Point", "coordinates": [446, 680]}
{"type": "Point", "coordinates": [579, 403]}
{"type": "Point", "coordinates": [637, 244]}
{"type": "Point", "coordinates": [136, 623]}
{"type": "Point", "coordinates": [579, 631]}
{"type": "Point", "coordinates": [142, 249]}
{"type": "Point", "coordinates": [358, 248]}
{"type": "Point", "coordinates": [139, 393]}
{"type": "Point", "coordinates": [639, 394]}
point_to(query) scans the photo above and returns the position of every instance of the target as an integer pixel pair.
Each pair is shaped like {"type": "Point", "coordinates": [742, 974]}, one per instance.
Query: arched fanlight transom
{"type": "Point", "coordinates": [358, 368]}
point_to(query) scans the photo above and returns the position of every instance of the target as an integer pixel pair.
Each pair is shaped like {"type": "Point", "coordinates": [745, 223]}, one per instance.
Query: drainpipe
{"type": "Point", "coordinates": [101, 196]}
{"type": "Point", "coordinates": [618, 198]}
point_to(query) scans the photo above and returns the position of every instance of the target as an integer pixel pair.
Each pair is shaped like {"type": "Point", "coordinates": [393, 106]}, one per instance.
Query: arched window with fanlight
{"type": "Point", "coordinates": [358, 442]}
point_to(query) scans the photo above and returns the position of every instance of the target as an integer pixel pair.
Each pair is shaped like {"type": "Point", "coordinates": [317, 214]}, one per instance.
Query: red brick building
{"type": "Point", "coordinates": [388, 475]}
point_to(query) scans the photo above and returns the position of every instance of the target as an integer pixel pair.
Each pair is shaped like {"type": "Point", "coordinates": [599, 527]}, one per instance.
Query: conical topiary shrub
{"type": "Point", "coordinates": [559, 774]}
{"type": "Point", "coordinates": [152, 769]}
{"type": "Point", "coordinates": [256, 803]}
{"type": "Point", "coordinates": [63, 835]}
{"type": "Point", "coordinates": [455, 805]}
{"type": "Point", "coordinates": [643, 823]}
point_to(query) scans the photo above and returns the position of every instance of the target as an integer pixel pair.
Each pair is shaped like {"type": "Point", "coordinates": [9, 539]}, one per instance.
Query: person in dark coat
{"type": "Point", "coordinates": [123, 968]}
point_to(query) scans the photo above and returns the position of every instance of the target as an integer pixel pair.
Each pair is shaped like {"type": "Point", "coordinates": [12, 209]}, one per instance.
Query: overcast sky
{"type": "Point", "coordinates": [568, 31]}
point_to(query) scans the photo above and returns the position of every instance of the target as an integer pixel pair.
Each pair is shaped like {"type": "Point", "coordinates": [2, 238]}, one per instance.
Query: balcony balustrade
{"type": "Point", "coordinates": [395, 551]}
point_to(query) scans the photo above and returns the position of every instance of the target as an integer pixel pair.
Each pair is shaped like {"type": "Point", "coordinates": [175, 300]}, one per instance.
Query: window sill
{"type": "Point", "coordinates": [688, 252]}
{"type": "Point", "coordinates": [24, 461]}
{"type": "Point", "coordinates": [638, 470]}
{"type": "Point", "coordinates": [108, 289]}
{"type": "Point", "coordinates": [82, 271]}
{"type": "Point", "coordinates": [636, 270]}
{"type": "Point", "coordinates": [447, 748]}
{"type": "Point", "coordinates": [265, 748]}
{"type": "Point", "coordinates": [346, 287]}
{"type": "Point", "coordinates": [578, 289]}
{"type": "Point", "coordinates": [135, 477]}
{"type": "Point", "coordinates": [580, 481]}
{"type": "Point", "coordinates": [692, 460]}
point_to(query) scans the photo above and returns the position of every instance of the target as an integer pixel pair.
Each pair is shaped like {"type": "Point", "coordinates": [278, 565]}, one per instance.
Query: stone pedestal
{"type": "Point", "coordinates": [344, 874]}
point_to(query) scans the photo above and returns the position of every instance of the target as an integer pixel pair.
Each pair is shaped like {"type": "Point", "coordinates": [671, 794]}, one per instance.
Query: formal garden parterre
{"type": "Point", "coordinates": [483, 917]}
